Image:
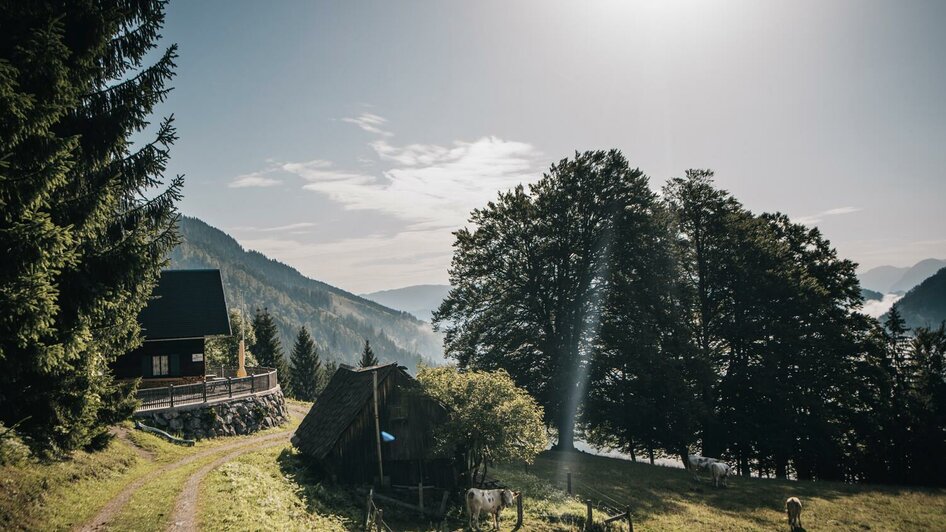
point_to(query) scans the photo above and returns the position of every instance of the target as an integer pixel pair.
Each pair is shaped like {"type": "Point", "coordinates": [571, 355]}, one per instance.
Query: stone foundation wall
{"type": "Point", "coordinates": [231, 417]}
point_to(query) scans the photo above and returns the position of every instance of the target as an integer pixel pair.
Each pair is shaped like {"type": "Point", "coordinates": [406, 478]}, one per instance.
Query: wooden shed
{"type": "Point", "coordinates": [341, 436]}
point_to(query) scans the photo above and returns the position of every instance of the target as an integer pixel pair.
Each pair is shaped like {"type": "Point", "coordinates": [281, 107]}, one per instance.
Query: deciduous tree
{"type": "Point", "coordinates": [491, 420]}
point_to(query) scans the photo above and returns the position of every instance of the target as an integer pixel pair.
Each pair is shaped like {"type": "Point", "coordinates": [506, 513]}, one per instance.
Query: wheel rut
{"type": "Point", "coordinates": [184, 514]}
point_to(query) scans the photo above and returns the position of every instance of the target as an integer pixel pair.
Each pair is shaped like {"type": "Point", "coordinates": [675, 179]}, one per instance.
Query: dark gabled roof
{"type": "Point", "coordinates": [338, 405]}
{"type": "Point", "coordinates": [186, 304]}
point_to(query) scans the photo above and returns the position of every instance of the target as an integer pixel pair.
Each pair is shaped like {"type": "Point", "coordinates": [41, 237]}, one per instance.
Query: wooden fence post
{"type": "Point", "coordinates": [368, 509]}
{"type": "Point", "coordinates": [589, 519]}
{"type": "Point", "coordinates": [171, 394]}
{"type": "Point", "coordinates": [569, 482]}
{"type": "Point", "coordinates": [252, 384]}
{"type": "Point", "coordinates": [205, 391]}
{"type": "Point", "coordinates": [420, 495]}
{"type": "Point", "coordinates": [443, 503]}
{"type": "Point", "coordinates": [630, 524]}
{"type": "Point", "coordinates": [380, 521]}
{"type": "Point", "coordinates": [519, 512]}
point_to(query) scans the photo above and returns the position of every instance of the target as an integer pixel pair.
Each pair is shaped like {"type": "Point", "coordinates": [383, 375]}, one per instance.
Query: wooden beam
{"type": "Point", "coordinates": [377, 426]}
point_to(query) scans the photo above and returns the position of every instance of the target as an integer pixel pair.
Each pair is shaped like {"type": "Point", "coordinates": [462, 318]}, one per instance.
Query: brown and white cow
{"type": "Point", "coordinates": [793, 508]}
{"type": "Point", "coordinates": [491, 501]}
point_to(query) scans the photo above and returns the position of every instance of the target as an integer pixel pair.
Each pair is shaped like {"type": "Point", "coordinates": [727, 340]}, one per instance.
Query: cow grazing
{"type": "Point", "coordinates": [697, 463]}
{"type": "Point", "coordinates": [793, 508]}
{"type": "Point", "coordinates": [720, 471]}
{"type": "Point", "coordinates": [491, 501]}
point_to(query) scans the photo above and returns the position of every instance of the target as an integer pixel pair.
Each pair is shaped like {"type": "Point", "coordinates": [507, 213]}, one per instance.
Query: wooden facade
{"type": "Point", "coordinates": [185, 307]}
{"type": "Point", "coordinates": [339, 431]}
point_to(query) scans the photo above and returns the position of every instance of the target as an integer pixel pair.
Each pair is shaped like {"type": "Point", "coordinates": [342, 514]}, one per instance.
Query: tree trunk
{"type": "Point", "coordinates": [566, 429]}
{"type": "Point", "coordinates": [781, 468]}
{"type": "Point", "coordinates": [650, 453]}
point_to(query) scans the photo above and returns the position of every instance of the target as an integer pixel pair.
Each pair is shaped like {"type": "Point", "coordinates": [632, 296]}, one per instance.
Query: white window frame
{"type": "Point", "coordinates": [160, 366]}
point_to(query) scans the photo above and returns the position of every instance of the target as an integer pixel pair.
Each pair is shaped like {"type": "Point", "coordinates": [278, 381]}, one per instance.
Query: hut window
{"type": "Point", "coordinates": [159, 365]}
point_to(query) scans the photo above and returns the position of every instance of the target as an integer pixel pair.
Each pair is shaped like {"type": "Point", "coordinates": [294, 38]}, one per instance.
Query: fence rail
{"type": "Point", "coordinates": [216, 387]}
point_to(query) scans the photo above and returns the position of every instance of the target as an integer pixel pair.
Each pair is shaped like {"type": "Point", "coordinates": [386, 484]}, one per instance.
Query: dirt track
{"type": "Point", "coordinates": [184, 515]}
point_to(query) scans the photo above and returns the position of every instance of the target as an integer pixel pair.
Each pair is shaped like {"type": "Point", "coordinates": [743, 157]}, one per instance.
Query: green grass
{"type": "Point", "coordinates": [664, 498]}
{"type": "Point", "coordinates": [274, 486]}
{"type": "Point", "coordinates": [60, 495]}
{"type": "Point", "coordinates": [270, 490]}
{"type": "Point", "coordinates": [56, 495]}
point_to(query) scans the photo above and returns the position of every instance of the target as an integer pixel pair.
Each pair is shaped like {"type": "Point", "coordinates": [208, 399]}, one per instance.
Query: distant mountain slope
{"type": "Point", "coordinates": [925, 305]}
{"type": "Point", "coordinates": [881, 278]}
{"type": "Point", "coordinates": [420, 300]}
{"type": "Point", "coordinates": [887, 279]}
{"type": "Point", "coordinates": [917, 274]}
{"type": "Point", "coordinates": [870, 295]}
{"type": "Point", "coordinates": [338, 320]}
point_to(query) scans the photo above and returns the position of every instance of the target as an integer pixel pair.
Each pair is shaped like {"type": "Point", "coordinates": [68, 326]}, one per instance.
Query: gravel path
{"type": "Point", "coordinates": [185, 512]}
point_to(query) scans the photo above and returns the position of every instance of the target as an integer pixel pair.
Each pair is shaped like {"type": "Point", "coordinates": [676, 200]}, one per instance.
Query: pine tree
{"type": "Point", "coordinates": [367, 356]}
{"type": "Point", "coordinates": [327, 372]}
{"type": "Point", "coordinates": [306, 368]}
{"type": "Point", "coordinates": [85, 219]}
{"type": "Point", "coordinates": [268, 349]}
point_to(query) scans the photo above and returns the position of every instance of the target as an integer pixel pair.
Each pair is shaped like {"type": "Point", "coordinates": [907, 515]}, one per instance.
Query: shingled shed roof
{"type": "Point", "coordinates": [346, 394]}
{"type": "Point", "coordinates": [186, 304]}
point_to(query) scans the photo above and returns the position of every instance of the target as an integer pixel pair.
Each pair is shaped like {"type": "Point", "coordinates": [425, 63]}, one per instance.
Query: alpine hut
{"type": "Point", "coordinates": [375, 423]}
{"type": "Point", "coordinates": [186, 306]}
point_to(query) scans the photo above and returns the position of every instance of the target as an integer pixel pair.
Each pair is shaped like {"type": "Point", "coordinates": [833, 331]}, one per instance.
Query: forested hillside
{"type": "Point", "coordinates": [925, 305]}
{"type": "Point", "coordinates": [338, 320]}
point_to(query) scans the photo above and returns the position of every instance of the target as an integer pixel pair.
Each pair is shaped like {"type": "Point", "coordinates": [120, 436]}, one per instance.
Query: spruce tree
{"type": "Point", "coordinates": [86, 220]}
{"type": "Point", "coordinates": [268, 349]}
{"type": "Point", "coordinates": [306, 368]}
{"type": "Point", "coordinates": [326, 375]}
{"type": "Point", "coordinates": [367, 356]}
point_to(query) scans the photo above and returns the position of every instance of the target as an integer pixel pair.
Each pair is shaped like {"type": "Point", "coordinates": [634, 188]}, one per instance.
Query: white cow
{"type": "Point", "coordinates": [699, 463]}
{"type": "Point", "coordinates": [719, 471]}
{"type": "Point", "coordinates": [490, 501]}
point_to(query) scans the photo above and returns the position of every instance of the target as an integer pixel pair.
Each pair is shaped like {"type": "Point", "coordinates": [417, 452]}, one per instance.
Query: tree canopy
{"type": "Point", "coordinates": [305, 367]}
{"type": "Point", "coordinates": [86, 219]}
{"type": "Point", "coordinates": [268, 349]}
{"type": "Point", "coordinates": [491, 420]}
{"type": "Point", "coordinates": [367, 356]}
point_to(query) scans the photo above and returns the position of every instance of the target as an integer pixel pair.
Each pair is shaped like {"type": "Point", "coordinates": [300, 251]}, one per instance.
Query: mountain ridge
{"type": "Point", "coordinates": [420, 300]}
{"type": "Point", "coordinates": [925, 304]}
{"type": "Point", "coordinates": [887, 279]}
{"type": "Point", "coordinates": [339, 320]}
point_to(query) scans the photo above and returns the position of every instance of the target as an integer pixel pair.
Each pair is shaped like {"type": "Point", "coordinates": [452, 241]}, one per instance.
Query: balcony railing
{"type": "Point", "coordinates": [214, 388]}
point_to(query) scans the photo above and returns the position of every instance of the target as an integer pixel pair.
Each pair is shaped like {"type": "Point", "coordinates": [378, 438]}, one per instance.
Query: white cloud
{"type": "Point", "coordinates": [876, 309]}
{"type": "Point", "coordinates": [287, 227]}
{"type": "Point", "coordinates": [255, 180]}
{"type": "Point", "coordinates": [430, 185]}
{"type": "Point", "coordinates": [816, 218]}
{"type": "Point", "coordinates": [429, 190]}
{"type": "Point", "coordinates": [369, 122]}
{"type": "Point", "coordinates": [364, 264]}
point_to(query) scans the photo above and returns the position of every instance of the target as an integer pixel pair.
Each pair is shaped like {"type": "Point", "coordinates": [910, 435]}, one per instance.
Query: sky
{"type": "Point", "coordinates": [349, 139]}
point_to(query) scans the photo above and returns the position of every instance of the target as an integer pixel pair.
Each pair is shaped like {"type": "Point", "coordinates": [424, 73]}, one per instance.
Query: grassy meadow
{"type": "Point", "coordinates": [272, 489]}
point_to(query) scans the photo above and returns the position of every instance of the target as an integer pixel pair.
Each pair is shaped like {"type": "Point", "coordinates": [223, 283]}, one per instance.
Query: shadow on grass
{"type": "Point", "coordinates": [651, 490]}
{"type": "Point", "coordinates": [320, 496]}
